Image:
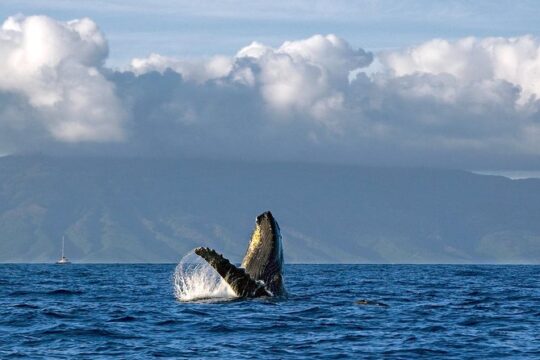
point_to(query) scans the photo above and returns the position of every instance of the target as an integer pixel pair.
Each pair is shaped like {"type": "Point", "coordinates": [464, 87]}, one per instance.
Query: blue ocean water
{"type": "Point", "coordinates": [130, 312]}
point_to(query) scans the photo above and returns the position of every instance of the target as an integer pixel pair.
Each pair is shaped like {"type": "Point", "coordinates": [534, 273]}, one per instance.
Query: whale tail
{"type": "Point", "coordinates": [237, 278]}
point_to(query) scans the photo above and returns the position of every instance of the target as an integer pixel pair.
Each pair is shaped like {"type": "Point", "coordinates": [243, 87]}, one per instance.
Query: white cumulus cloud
{"type": "Point", "coordinates": [463, 103]}
{"type": "Point", "coordinates": [195, 70]}
{"type": "Point", "coordinates": [55, 66]}
{"type": "Point", "coordinates": [471, 60]}
{"type": "Point", "coordinates": [307, 76]}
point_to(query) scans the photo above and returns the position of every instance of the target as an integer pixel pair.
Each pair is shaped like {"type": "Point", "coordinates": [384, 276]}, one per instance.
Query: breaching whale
{"type": "Point", "coordinates": [261, 271]}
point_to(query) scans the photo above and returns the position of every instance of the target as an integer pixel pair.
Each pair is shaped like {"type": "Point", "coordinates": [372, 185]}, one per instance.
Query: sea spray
{"type": "Point", "coordinates": [195, 279]}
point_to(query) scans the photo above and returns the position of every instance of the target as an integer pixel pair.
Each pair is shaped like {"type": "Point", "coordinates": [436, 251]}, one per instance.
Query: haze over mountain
{"type": "Point", "coordinates": [156, 210]}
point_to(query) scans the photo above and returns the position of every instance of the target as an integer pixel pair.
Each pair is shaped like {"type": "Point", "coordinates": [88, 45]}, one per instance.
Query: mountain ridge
{"type": "Point", "coordinates": [157, 210]}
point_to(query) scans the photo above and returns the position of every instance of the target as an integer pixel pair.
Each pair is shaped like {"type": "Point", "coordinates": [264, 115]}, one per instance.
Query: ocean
{"type": "Point", "coordinates": [131, 312]}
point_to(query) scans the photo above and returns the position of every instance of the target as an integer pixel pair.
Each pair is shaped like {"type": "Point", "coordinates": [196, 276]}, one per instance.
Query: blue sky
{"type": "Point", "coordinates": [415, 83]}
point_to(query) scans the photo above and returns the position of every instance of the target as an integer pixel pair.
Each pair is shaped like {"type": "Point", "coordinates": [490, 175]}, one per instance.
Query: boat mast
{"type": "Point", "coordinates": [62, 246]}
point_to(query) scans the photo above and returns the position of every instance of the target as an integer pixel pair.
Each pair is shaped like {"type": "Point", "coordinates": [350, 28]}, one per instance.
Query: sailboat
{"type": "Point", "coordinates": [63, 260]}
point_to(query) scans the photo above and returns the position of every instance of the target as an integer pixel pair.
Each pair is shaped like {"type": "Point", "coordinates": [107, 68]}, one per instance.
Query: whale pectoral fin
{"type": "Point", "coordinates": [237, 278]}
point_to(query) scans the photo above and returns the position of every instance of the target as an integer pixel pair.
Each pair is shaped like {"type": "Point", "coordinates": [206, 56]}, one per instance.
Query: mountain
{"type": "Point", "coordinates": [157, 210]}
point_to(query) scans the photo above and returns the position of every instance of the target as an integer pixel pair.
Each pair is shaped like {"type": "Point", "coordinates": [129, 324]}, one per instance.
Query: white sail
{"type": "Point", "coordinates": [63, 260]}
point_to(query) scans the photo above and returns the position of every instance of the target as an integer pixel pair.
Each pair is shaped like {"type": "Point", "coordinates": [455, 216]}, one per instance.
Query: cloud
{"type": "Point", "coordinates": [472, 94]}
{"type": "Point", "coordinates": [55, 67]}
{"type": "Point", "coordinates": [467, 103]}
{"type": "Point", "coordinates": [196, 70]}
{"type": "Point", "coordinates": [306, 76]}
{"type": "Point", "coordinates": [470, 60]}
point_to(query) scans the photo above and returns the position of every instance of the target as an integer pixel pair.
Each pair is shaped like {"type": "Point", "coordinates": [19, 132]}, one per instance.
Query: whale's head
{"type": "Point", "coordinates": [264, 256]}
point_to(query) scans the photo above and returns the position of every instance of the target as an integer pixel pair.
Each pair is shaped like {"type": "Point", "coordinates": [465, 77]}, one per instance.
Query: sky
{"type": "Point", "coordinates": [408, 83]}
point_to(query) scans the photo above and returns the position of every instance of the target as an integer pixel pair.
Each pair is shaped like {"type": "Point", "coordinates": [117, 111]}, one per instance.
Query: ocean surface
{"type": "Point", "coordinates": [131, 312]}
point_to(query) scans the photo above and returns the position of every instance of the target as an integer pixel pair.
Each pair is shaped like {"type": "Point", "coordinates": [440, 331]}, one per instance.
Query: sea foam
{"type": "Point", "coordinates": [194, 279]}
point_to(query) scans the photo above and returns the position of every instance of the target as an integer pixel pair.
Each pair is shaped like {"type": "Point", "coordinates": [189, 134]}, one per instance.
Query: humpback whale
{"type": "Point", "coordinates": [261, 271]}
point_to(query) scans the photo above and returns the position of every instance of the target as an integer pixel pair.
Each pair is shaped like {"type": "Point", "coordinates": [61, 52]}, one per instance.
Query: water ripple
{"type": "Point", "coordinates": [130, 312]}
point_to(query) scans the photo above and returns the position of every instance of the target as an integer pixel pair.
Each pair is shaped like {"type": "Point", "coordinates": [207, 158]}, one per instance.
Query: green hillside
{"type": "Point", "coordinates": [149, 210]}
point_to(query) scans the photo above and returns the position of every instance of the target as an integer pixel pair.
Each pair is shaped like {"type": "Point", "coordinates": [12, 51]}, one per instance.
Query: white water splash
{"type": "Point", "coordinates": [195, 279]}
